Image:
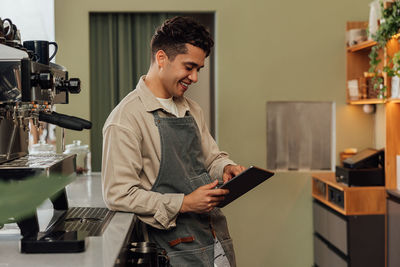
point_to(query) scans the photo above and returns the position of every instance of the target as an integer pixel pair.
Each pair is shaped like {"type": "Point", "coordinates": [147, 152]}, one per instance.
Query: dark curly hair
{"type": "Point", "coordinates": [174, 33]}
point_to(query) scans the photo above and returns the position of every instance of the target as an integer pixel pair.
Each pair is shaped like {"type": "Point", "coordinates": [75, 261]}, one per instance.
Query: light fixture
{"type": "Point", "coordinates": [369, 108]}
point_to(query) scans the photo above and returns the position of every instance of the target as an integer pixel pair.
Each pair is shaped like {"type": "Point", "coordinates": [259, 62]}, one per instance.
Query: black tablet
{"type": "Point", "coordinates": [244, 182]}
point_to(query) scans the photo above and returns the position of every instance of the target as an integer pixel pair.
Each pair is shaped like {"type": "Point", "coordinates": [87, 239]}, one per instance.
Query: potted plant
{"type": "Point", "coordinates": [388, 29]}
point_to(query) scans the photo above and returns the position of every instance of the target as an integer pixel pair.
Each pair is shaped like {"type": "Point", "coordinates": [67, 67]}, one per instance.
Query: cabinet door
{"type": "Point", "coordinates": [393, 224]}
{"type": "Point", "coordinates": [325, 257]}
{"type": "Point", "coordinates": [330, 226]}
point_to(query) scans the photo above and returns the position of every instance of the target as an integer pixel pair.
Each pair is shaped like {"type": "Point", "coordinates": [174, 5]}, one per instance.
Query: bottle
{"type": "Point", "coordinates": [83, 156]}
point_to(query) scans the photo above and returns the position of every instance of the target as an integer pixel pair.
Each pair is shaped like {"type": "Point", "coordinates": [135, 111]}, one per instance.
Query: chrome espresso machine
{"type": "Point", "coordinates": [28, 91]}
{"type": "Point", "coordinates": [29, 87]}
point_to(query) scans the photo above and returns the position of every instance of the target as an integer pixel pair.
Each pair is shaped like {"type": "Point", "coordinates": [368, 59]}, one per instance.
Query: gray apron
{"type": "Point", "coordinates": [191, 242]}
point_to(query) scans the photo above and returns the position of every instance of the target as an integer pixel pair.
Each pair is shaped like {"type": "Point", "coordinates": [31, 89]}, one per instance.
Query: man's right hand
{"type": "Point", "coordinates": [203, 199]}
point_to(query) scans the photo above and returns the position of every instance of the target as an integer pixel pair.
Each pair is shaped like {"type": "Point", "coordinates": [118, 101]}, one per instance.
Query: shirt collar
{"type": "Point", "coordinates": [151, 103]}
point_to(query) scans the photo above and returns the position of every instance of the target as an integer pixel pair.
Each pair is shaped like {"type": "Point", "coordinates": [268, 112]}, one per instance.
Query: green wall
{"type": "Point", "coordinates": [266, 51]}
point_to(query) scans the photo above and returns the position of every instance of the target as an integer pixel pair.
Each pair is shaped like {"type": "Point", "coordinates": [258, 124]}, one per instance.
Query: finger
{"type": "Point", "coordinates": [211, 185]}
{"type": "Point", "coordinates": [226, 177]}
{"type": "Point", "coordinates": [216, 200]}
{"type": "Point", "coordinates": [208, 208]}
{"type": "Point", "coordinates": [238, 169]}
{"type": "Point", "coordinates": [218, 192]}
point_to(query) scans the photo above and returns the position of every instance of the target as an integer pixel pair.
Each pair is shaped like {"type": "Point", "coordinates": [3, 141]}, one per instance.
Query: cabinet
{"type": "Point", "coordinates": [351, 241]}
{"type": "Point", "coordinates": [349, 223]}
{"type": "Point", "coordinates": [393, 229]}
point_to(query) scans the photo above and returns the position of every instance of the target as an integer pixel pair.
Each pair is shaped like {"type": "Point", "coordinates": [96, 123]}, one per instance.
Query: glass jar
{"type": "Point", "coordinates": [42, 148]}
{"type": "Point", "coordinates": [83, 156]}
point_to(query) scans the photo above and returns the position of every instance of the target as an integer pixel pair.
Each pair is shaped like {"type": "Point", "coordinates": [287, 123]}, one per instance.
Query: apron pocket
{"type": "Point", "coordinates": [200, 180]}
{"type": "Point", "coordinates": [194, 257]}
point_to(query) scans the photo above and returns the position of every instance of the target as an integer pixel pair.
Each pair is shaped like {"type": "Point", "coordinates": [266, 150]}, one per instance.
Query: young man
{"type": "Point", "coordinates": [159, 160]}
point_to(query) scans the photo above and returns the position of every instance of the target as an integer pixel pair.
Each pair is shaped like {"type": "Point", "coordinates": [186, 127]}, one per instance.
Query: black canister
{"type": "Point", "coordinates": [147, 254]}
{"type": "Point", "coordinates": [144, 254]}
{"type": "Point", "coordinates": [41, 49]}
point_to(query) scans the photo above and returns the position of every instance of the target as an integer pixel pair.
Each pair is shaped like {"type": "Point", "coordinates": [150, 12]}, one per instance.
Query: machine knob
{"type": "Point", "coordinates": [72, 85]}
{"type": "Point", "coordinates": [44, 80]}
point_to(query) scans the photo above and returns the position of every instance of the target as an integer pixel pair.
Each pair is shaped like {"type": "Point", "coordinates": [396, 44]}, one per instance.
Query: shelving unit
{"type": "Point", "coordinates": [357, 63]}
{"type": "Point", "coordinates": [357, 67]}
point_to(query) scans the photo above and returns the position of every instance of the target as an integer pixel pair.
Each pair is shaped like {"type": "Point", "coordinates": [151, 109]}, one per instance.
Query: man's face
{"type": "Point", "coordinates": [177, 75]}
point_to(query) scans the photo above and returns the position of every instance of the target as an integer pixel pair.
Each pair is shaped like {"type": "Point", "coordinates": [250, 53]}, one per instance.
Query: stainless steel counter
{"type": "Point", "coordinates": [85, 191]}
{"type": "Point", "coordinates": [395, 193]}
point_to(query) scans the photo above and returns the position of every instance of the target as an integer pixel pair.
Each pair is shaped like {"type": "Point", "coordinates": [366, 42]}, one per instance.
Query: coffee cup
{"type": "Point", "coordinates": [41, 49]}
{"type": "Point", "coordinates": [7, 29]}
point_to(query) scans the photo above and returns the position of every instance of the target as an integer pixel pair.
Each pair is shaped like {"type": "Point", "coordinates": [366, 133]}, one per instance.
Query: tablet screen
{"type": "Point", "coordinates": [244, 182]}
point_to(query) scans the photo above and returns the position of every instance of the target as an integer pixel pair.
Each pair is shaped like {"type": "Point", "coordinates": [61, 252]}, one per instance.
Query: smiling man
{"type": "Point", "coordinates": [159, 159]}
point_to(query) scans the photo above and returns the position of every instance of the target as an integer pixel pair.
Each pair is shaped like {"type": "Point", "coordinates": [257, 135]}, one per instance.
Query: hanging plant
{"type": "Point", "coordinates": [389, 26]}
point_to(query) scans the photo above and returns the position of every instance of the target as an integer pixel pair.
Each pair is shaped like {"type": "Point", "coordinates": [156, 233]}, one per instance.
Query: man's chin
{"type": "Point", "coordinates": [180, 93]}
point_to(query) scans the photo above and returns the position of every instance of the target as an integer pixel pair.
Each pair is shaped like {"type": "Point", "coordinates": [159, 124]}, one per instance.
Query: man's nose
{"type": "Point", "coordinates": [193, 76]}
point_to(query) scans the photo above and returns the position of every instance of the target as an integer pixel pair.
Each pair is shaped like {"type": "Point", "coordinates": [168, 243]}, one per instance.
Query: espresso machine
{"type": "Point", "coordinates": [29, 89]}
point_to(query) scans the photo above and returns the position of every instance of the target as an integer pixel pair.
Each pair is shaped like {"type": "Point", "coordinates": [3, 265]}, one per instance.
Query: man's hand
{"type": "Point", "coordinates": [231, 171]}
{"type": "Point", "coordinates": [203, 199]}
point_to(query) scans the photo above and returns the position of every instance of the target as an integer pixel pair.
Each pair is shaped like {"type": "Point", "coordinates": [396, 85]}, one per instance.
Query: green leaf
{"type": "Point", "coordinates": [19, 199]}
{"type": "Point", "coordinates": [389, 26]}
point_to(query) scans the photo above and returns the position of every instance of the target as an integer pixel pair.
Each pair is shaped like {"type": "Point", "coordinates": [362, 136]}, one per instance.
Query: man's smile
{"type": "Point", "coordinates": [184, 85]}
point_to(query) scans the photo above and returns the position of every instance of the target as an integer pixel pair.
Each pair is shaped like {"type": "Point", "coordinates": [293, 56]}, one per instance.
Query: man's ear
{"type": "Point", "coordinates": [161, 58]}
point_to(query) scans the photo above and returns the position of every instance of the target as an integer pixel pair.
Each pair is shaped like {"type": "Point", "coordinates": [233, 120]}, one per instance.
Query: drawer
{"type": "Point", "coordinates": [325, 257]}
{"type": "Point", "coordinates": [330, 226]}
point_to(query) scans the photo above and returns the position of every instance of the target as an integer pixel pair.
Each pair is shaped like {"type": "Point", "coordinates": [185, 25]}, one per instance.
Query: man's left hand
{"type": "Point", "coordinates": [231, 171]}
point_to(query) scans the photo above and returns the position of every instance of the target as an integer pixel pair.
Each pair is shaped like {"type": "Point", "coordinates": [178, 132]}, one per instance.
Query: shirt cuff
{"type": "Point", "coordinates": [219, 169]}
{"type": "Point", "coordinates": [168, 210]}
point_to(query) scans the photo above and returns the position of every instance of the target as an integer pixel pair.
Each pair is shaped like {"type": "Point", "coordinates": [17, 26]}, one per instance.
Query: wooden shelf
{"type": "Point", "coordinates": [360, 200]}
{"type": "Point", "coordinates": [367, 44]}
{"type": "Point", "coordinates": [371, 75]}
{"type": "Point", "coordinates": [374, 101]}
{"type": "Point", "coordinates": [367, 101]}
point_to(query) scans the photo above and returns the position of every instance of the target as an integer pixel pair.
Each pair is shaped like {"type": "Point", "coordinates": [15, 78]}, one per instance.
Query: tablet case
{"type": "Point", "coordinates": [244, 182]}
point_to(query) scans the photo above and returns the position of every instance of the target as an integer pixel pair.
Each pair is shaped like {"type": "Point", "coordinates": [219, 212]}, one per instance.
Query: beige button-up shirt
{"type": "Point", "coordinates": [132, 154]}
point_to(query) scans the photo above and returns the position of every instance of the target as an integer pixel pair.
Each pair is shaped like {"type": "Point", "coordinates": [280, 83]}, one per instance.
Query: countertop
{"type": "Point", "coordinates": [395, 193]}
{"type": "Point", "coordinates": [103, 250]}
